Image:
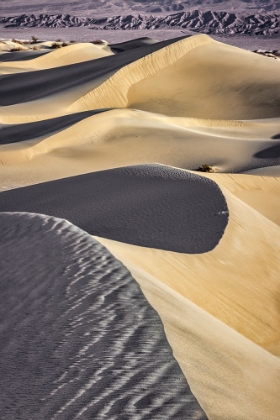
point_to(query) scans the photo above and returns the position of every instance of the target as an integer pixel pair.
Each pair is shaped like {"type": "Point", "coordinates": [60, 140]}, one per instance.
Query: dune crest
{"type": "Point", "coordinates": [200, 71]}
{"type": "Point", "coordinates": [135, 72]}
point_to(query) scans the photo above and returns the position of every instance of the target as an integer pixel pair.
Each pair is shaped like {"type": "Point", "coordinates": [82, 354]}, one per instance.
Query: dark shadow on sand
{"type": "Point", "coordinates": [21, 55]}
{"type": "Point", "coordinates": [152, 206]}
{"type": "Point", "coordinates": [272, 152]}
{"type": "Point", "coordinates": [132, 44]}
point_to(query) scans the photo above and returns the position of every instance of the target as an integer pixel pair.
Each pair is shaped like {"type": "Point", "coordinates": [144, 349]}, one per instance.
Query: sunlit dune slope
{"type": "Point", "coordinates": [262, 193]}
{"type": "Point", "coordinates": [195, 77]}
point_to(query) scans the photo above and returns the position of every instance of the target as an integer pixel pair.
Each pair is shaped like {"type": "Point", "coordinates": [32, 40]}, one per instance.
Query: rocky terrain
{"type": "Point", "coordinates": [125, 7]}
{"type": "Point", "coordinates": [209, 22]}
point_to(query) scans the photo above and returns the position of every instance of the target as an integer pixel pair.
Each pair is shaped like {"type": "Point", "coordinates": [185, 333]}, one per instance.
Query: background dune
{"type": "Point", "coordinates": [70, 54]}
{"type": "Point", "coordinates": [48, 149]}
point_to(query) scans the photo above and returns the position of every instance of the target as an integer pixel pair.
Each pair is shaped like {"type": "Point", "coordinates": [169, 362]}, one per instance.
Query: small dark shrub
{"type": "Point", "coordinates": [206, 168]}
{"type": "Point", "coordinates": [98, 42]}
{"type": "Point", "coordinates": [56, 45]}
{"type": "Point", "coordinates": [34, 39]}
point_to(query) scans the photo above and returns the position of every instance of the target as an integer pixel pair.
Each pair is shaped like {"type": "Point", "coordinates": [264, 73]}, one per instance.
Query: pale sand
{"type": "Point", "coordinates": [190, 103]}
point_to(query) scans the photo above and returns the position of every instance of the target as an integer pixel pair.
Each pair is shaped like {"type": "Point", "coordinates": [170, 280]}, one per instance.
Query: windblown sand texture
{"type": "Point", "coordinates": [113, 138]}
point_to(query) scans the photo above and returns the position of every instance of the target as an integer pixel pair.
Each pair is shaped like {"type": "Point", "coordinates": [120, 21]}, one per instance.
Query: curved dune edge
{"type": "Point", "coordinates": [262, 193]}
{"type": "Point", "coordinates": [223, 325]}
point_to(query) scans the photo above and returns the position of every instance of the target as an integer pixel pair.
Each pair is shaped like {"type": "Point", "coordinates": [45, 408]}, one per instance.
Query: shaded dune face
{"type": "Point", "coordinates": [129, 45]}
{"type": "Point", "coordinates": [28, 131]}
{"type": "Point", "coordinates": [23, 87]}
{"type": "Point", "coordinates": [272, 152]}
{"type": "Point", "coordinates": [78, 338]}
{"type": "Point", "coordinates": [148, 205]}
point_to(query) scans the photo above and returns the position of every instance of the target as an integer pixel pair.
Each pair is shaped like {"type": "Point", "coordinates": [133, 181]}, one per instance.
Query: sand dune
{"type": "Point", "coordinates": [233, 284]}
{"type": "Point", "coordinates": [61, 310]}
{"type": "Point", "coordinates": [65, 56]}
{"type": "Point", "coordinates": [200, 71]}
{"type": "Point", "coordinates": [144, 136]}
{"type": "Point", "coordinates": [131, 45]}
{"type": "Point", "coordinates": [40, 129]}
{"type": "Point", "coordinates": [149, 205]}
{"type": "Point", "coordinates": [80, 78]}
{"type": "Point", "coordinates": [117, 146]}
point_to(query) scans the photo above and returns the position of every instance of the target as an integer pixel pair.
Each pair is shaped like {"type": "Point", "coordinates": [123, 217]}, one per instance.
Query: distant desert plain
{"type": "Point", "coordinates": [139, 210]}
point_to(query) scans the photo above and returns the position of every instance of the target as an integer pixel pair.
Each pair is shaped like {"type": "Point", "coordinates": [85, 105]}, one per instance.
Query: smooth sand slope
{"type": "Point", "coordinates": [41, 129]}
{"type": "Point", "coordinates": [204, 247]}
{"type": "Point", "coordinates": [75, 341]}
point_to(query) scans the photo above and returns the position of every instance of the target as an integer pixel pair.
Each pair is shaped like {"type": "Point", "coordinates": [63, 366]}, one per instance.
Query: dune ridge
{"type": "Point", "coordinates": [196, 59]}
{"type": "Point", "coordinates": [148, 66]}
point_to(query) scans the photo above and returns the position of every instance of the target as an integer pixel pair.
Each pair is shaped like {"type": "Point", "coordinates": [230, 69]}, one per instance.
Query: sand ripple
{"type": "Point", "coordinates": [79, 340]}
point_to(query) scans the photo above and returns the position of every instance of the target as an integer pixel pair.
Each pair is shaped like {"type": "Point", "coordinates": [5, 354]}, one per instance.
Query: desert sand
{"type": "Point", "coordinates": [168, 154]}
